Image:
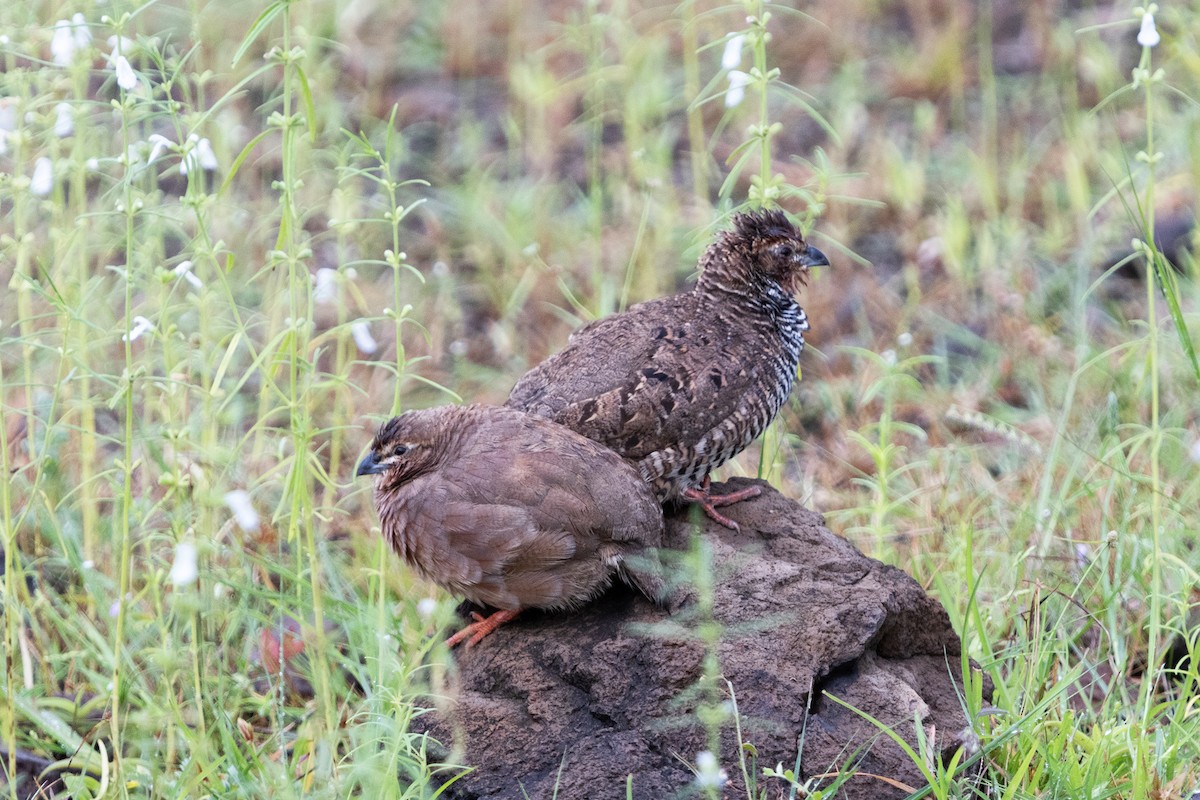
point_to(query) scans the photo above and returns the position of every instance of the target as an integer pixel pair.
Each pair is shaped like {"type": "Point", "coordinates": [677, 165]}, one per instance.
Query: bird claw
{"type": "Point", "coordinates": [730, 498]}
{"type": "Point", "coordinates": [710, 502]}
{"type": "Point", "coordinates": [481, 627]}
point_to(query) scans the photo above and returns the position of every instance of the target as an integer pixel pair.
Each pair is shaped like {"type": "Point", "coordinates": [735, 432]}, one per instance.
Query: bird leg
{"type": "Point", "coordinates": [481, 627]}
{"type": "Point", "coordinates": [711, 502]}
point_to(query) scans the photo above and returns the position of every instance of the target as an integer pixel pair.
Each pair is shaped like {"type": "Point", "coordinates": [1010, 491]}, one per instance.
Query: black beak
{"type": "Point", "coordinates": [369, 466]}
{"type": "Point", "coordinates": [814, 258]}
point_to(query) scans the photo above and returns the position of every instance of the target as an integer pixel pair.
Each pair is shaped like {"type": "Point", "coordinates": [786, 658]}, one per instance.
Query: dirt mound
{"type": "Point", "coordinates": [590, 700]}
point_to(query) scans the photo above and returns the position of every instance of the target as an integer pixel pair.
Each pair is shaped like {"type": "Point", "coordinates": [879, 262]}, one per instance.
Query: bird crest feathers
{"type": "Point", "coordinates": [386, 433]}
{"type": "Point", "coordinates": [772, 224]}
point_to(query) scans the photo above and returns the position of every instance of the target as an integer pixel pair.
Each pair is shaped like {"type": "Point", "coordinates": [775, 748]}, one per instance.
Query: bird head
{"type": "Point", "coordinates": [404, 448]}
{"type": "Point", "coordinates": [761, 245]}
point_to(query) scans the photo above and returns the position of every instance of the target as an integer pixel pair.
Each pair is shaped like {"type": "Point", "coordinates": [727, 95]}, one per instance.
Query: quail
{"type": "Point", "coordinates": [512, 511]}
{"type": "Point", "coordinates": [680, 384]}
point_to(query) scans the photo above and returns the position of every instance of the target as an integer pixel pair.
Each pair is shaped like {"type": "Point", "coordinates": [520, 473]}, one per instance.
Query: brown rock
{"type": "Point", "coordinates": [582, 700]}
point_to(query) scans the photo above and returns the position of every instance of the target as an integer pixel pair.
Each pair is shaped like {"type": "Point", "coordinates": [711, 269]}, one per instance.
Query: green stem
{"type": "Point", "coordinates": [124, 527]}
{"type": "Point", "coordinates": [1155, 589]}
{"type": "Point", "coordinates": [691, 90]}
{"type": "Point", "coordinates": [764, 113]}
{"type": "Point", "coordinates": [300, 309]}
{"type": "Point", "coordinates": [13, 612]}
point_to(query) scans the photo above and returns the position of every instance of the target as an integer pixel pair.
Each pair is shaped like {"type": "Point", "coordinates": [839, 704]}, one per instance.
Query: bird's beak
{"type": "Point", "coordinates": [813, 257]}
{"type": "Point", "coordinates": [369, 466]}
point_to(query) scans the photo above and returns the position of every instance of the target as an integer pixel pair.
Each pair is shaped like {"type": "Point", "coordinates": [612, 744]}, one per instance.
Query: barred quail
{"type": "Point", "coordinates": [680, 384]}
{"type": "Point", "coordinates": [512, 511]}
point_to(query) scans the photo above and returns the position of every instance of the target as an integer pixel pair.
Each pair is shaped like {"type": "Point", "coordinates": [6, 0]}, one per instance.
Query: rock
{"type": "Point", "coordinates": [582, 701]}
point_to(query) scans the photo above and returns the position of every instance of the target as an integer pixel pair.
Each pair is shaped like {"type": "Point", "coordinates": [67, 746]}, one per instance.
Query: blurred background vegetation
{"type": "Point", "coordinates": [235, 236]}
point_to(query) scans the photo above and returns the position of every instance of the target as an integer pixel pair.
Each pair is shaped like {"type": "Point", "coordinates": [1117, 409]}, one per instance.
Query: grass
{"type": "Point", "coordinates": [407, 206]}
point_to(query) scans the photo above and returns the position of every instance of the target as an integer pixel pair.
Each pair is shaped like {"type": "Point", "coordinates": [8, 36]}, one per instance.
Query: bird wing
{"type": "Point", "coordinates": [590, 491]}
{"type": "Point", "coordinates": [497, 555]}
{"type": "Point", "coordinates": [639, 383]}
{"type": "Point", "coordinates": [586, 507]}
{"type": "Point", "coordinates": [597, 358]}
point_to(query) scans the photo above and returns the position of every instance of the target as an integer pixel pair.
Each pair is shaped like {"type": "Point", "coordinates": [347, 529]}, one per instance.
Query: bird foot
{"type": "Point", "coordinates": [481, 627]}
{"type": "Point", "coordinates": [730, 498]}
{"type": "Point", "coordinates": [711, 502]}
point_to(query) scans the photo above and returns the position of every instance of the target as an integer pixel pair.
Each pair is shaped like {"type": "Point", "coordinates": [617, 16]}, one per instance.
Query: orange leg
{"type": "Point", "coordinates": [711, 502]}
{"type": "Point", "coordinates": [481, 627]}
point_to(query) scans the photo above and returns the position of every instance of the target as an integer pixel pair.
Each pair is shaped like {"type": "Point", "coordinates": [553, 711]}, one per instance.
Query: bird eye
{"type": "Point", "coordinates": [400, 450]}
{"type": "Point", "coordinates": [784, 251]}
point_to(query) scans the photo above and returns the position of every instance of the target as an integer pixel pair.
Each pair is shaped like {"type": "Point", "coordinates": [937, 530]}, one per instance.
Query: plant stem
{"type": "Point", "coordinates": [124, 528]}
{"type": "Point", "coordinates": [698, 157]}
{"type": "Point", "coordinates": [1156, 587]}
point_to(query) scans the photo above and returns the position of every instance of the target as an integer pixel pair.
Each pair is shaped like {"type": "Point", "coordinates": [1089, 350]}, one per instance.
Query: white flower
{"type": "Point", "coordinates": [708, 771]}
{"type": "Point", "coordinates": [120, 44]}
{"type": "Point", "coordinates": [1148, 35]}
{"type": "Point", "coordinates": [126, 77]}
{"type": "Point", "coordinates": [184, 569]}
{"type": "Point", "coordinates": [904, 339]}
{"type": "Point", "coordinates": [243, 512]}
{"type": "Point", "coordinates": [189, 154]}
{"type": "Point", "coordinates": [64, 120]}
{"type": "Point", "coordinates": [80, 32]}
{"type": "Point", "coordinates": [140, 326]}
{"type": "Point", "coordinates": [199, 153]}
{"type": "Point", "coordinates": [325, 290]}
{"type": "Point", "coordinates": [204, 152]}
{"type": "Point", "coordinates": [426, 608]}
{"type": "Point", "coordinates": [43, 177]}
{"type": "Point", "coordinates": [158, 143]}
{"type": "Point", "coordinates": [732, 56]}
{"type": "Point", "coordinates": [115, 608]}
{"type": "Point", "coordinates": [68, 40]}
{"type": "Point", "coordinates": [62, 43]}
{"type": "Point", "coordinates": [361, 331]}
{"type": "Point", "coordinates": [184, 270]}
{"type": "Point", "coordinates": [1194, 452]}
{"type": "Point", "coordinates": [736, 93]}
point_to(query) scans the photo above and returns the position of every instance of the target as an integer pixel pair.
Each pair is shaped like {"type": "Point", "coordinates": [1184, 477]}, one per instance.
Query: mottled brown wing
{"type": "Point", "coordinates": [640, 385]}
{"type": "Point", "coordinates": [597, 359]}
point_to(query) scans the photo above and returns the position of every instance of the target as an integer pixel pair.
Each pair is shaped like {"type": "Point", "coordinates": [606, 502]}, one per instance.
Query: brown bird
{"type": "Point", "coordinates": [681, 384]}
{"type": "Point", "coordinates": [512, 511]}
